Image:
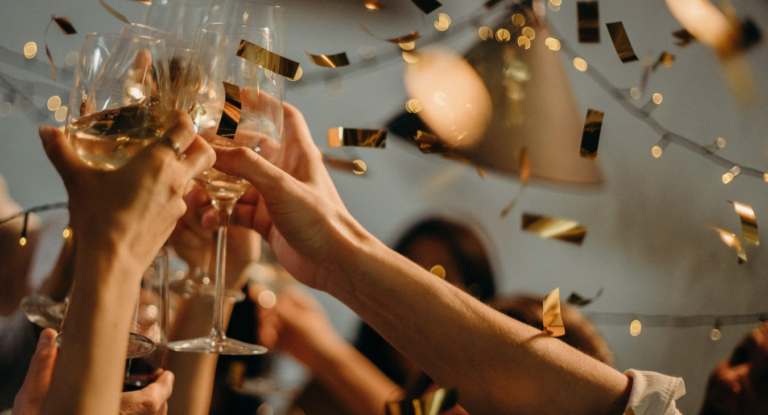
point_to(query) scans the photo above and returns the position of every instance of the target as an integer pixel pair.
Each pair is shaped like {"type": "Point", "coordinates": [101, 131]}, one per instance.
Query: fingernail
{"type": "Point", "coordinates": [47, 133]}
{"type": "Point", "coordinates": [44, 342]}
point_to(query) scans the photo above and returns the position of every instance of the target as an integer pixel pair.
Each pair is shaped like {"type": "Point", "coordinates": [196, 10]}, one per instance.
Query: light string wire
{"type": "Point", "coordinates": [474, 21]}
{"type": "Point", "coordinates": [36, 209]}
{"type": "Point", "coordinates": [664, 320]}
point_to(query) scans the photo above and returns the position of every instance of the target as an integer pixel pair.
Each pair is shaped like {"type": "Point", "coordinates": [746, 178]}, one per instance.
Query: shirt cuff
{"type": "Point", "coordinates": [653, 393]}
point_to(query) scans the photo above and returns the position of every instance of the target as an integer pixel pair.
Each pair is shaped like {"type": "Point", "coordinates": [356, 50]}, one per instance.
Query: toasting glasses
{"type": "Point", "coordinates": [238, 104]}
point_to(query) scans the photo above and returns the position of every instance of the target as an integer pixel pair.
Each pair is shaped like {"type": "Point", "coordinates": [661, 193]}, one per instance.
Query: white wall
{"type": "Point", "coordinates": [648, 244]}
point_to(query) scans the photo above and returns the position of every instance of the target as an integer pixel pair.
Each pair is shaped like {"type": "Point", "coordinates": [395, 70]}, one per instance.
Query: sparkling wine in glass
{"type": "Point", "coordinates": [222, 77]}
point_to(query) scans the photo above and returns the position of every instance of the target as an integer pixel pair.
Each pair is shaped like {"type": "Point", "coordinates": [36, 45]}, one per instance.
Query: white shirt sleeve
{"type": "Point", "coordinates": [653, 393]}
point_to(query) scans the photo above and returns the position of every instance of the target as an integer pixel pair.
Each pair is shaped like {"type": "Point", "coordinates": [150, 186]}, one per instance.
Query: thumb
{"type": "Point", "coordinates": [62, 155]}
{"type": "Point", "coordinates": [41, 367]}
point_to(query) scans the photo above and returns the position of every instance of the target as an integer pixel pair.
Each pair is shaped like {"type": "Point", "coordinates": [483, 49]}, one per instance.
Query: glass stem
{"type": "Point", "coordinates": [224, 207]}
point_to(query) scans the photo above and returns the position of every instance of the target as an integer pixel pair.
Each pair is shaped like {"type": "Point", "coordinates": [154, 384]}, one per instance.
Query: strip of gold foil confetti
{"type": "Point", "coordinates": [730, 239]}
{"type": "Point", "coordinates": [621, 42]}
{"type": "Point", "coordinates": [116, 14]}
{"type": "Point", "coordinates": [553, 228]}
{"type": "Point", "coordinates": [578, 300]}
{"type": "Point", "coordinates": [411, 37]}
{"type": "Point", "coordinates": [666, 59]}
{"type": "Point", "coordinates": [589, 21]}
{"type": "Point", "coordinates": [329, 61]}
{"type": "Point", "coordinates": [230, 118]}
{"type": "Point", "coordinates": [524, 172]}
{"type": "Point", "coordinates": [749, 231]}
{"type": "Point", "coordinates": [427, 6]}
{"type": "Point", "coordinates": [430, 143]}
{"type": "Point", "coordinates": [590, 136]}
{"type": "Point", "coordinates": [268, 60]}
{"type": "Point", "coordinates": [433, 403]}
{"type": "Point", "coordinates": [67, 28]}
{"type": "Point", "coordinates": [553, 318]}
{"type": "Point", "coordinates": [356, 137]}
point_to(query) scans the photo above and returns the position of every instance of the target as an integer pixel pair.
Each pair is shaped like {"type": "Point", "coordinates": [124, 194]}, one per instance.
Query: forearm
{"type": "Point", "coordinates": [355, 382]}
{"type": "Point", "coordinates": [498, 365]}
{"type": "Point", "coordinates": [194, 372]}
{"type": "Point", "coordinates": [91, 362]}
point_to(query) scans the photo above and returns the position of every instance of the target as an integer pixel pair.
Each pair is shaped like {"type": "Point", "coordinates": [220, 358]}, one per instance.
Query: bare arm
{"type": "Point", "coordinates": [498, 365]}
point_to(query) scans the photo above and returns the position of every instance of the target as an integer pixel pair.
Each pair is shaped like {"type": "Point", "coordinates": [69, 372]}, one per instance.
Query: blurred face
{"type": "Point", "coordinates": [739, 384]}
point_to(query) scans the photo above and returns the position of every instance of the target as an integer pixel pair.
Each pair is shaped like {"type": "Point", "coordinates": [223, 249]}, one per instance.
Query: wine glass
{"type": "Point", "coordinates": [119, 104]}
{"type": "Point", "coordinates": [223, 80]}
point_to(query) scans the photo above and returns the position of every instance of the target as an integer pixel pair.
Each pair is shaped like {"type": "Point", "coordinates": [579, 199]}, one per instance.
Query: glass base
{"type": "Point", "coordinates": [43, 311]}
{"type": "Point", "coordinates": [138, 345]}
{"type": "Point", "coordinates": [211, 345]}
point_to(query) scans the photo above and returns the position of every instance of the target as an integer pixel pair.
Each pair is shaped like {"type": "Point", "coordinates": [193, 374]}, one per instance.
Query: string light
{"type": "Point", "coordinates": [407, 45]}
{"type": "Point", "coordinates": [30, 50]}
{"type": "Point", "coordinates": [54, 103]}
{"type": "Point", "coordinates": [529, 32]}
{"type": "Point", "coordinates": [413, 106]}
{"type": "Point", "coordinates": [716, 334]}
{"type": "Point", "coordinates": [61, 114]}
{"type": "Point", "coordinates": [71, 58]}
{"type": "Point", "coordinates": [731, 174]}
{"type": "Point", "coordinates": [552, 43]}
{"type": "Point", "coordinates": [524, 42]}
{"type": "Point", "coordinates": [634, 92]}
{"type": "Point", "coordinates": [657, 98]}
{"type": "Point", "coordinates": [580, 64]}
{"type": "Point", "coordinates": [635, 327]}
{"type": "Point", "coordinates": [5, 109]}
{"type": "Point", "coordinates": [443, 22]}
{"type": "Point", "coordinates": [23, 239]}
{"type": "Point", "coordinates": [485, 33]}
{"type": "Point", "coordinates": [503, 35]}
{"type": "Point", "coordinates": [66, 233]}
{"type": "Point", "coordinates": [518, 19]}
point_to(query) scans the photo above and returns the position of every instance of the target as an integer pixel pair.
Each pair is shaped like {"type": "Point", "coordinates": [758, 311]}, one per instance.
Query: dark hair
{"type": "Point", "coordinates": [474, 266]}
{"type": "Point", "coordinates": [579, 332]}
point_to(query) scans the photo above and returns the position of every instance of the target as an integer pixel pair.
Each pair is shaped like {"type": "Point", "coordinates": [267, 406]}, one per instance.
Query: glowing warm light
{"type": "Point", "coordinates": [634, 92]}
{"type": "Point", "coordinates": [657, 98]}
{"type": "Point", "coordinates": [485, 33]}
{"type": "Point", "coordinates": [71, 58]}
{"type": "Point", "coordinates": [5, 109]}
{"type": "Point", "coordinates": [407, 45]}
{"type": "Point", "coordinates": [503, 35]}
{"type": "Point", "coordinates": [373, 5]}
{"type": "Point", "coordinates": [727, 178]}
{"type": "Point", "coordinates": [23, 241]}
{"type": "Point", "coordinates": [556, 2]}
{"type": "Point", "coordinates": [765, 177]}
{"type": "Point", "coordinates": [54, 103]}
{"type": "Point", "coordinates": [715, 334]}
{"type": "Point", "coordinates": [443, 22]}
{"type": "Point", "coordinates": [635, 328]}
{"type": "Point", "coordinates": [30, 50]}
{"type": "Point", "coordinates": [552, 44]}
{"type": "Point", "coordinates": [438, 270]}
{"type": "Point", "coordinates": [66, 233]}
{"type": "Point", "coordinates": [299, 73]}
{"type": "Point", "coordinates": [529, 32]}
{"type": "Point", "coordinates": [60, 114]}
{"type": "Point", "coordinates": [367, 52]}
{"type": "Point", "coordinates": [720, 142]}
{"type": "Point", "coordinates": [657, 151]}
{"type": "Point", "coordinates": [413, 106]}
{"type": "Point", "coordinates": [518, 19]}
{"type": "Point", "coordinates": [267, 299]}
{"type": "Point", "coordinates": [524, 42]}
{"type": "Point", "coordinates": [359, 167]}
{"type": "Point", "coordinates": [410, 57]}
{"type": "Point", "coordinates": [554, 7]}
{"type": "Point", "coordinates": [455, 102]}
{"type": "Point", "coordinates": [580, 64]}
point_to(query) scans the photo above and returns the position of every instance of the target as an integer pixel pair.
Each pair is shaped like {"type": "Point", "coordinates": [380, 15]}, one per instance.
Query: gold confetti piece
{"type": "Point", "coordinates": [268, 60]}
{"type": "Point", "coordinates": [427, 6]}
{"type": "Point", "coordinates": [589, 21]}
{"type": "Point", "coordinates": [434, 403]}
{"type": "Point", "coordinates": [65, 26]}
{"type": "Point", "coordinates": [666, 59]}
{"type": "Point", "coordinates": [329, 61]}
{"type": "Point", "coordinates": [730, 239]}
{"type": "Point", "coordinates": [553, 318]}
{"type": "Point", "coordinates": [749, 231]}
{"type": "Point", "coordinates": [684, 37]}
{"type": "Point", "coordinates": [577, 300]}
{"type": "Point", "coordinates": [553, 228]}
{"type": "Point", "coordinates": [116, 14]}
{"type": "Point", "coordinates": [438, 270]}
{"type": "Point", "coordinates": [621, 42]}
{"type": "Point", "coordinates": [230, 118]}
{"type": "Point", "coordinates": [590, 137]}
{"type": "Point", "coordinates": [430, 143]}
{"type": "Point", "coordinates": [397, 40]}
{"type": "Point", "coordinates": [356, 137]}
{"type": "Point", "coordinates": [524, 172]}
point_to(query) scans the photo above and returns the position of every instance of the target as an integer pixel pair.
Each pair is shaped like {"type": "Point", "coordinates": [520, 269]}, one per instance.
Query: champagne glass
{"type": "Point", "coordinates": [119, 105]}
{"type": "Point", "coordinates": [222, 77]}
